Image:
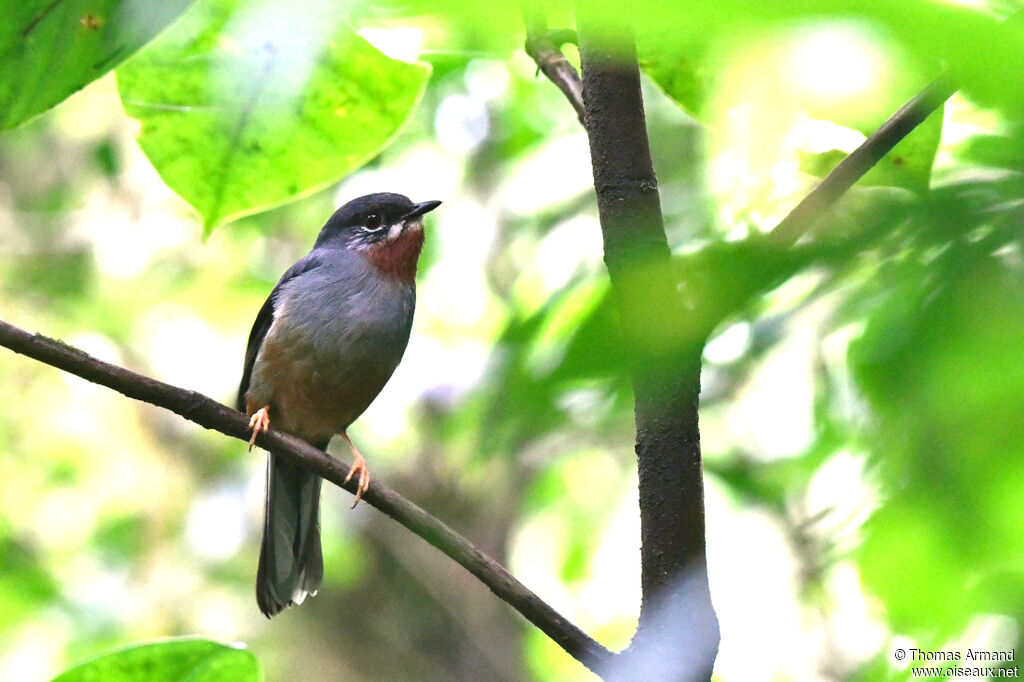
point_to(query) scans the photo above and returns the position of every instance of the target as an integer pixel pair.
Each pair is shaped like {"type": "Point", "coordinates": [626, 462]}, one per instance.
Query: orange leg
{"type": "Point", "coordinates": [260, 421]}
{"type": "Point", "coordinates": [359, 464]}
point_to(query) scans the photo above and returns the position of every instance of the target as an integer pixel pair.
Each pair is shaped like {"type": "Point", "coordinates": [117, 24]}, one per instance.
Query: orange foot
{"type": "Point", "coordinates": [260, 421]}
{"type": "Point", "coordinates": [358, 465]}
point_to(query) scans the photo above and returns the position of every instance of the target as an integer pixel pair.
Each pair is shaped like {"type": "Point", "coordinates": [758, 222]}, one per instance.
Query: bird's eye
{"type": "Point", "coordinates": [374, 222]}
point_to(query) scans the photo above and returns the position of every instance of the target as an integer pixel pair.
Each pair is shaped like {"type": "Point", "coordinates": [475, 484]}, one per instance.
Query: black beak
{"type": "Point", "coordinates": [420, 209]}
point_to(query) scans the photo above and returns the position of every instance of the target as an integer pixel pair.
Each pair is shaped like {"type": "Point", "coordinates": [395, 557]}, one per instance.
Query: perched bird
{"type": "Point", "coordinates": [323, 345]}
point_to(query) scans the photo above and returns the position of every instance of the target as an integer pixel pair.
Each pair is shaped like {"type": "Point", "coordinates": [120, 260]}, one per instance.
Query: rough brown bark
{"type": "Point", "coordinates": [677, 637]}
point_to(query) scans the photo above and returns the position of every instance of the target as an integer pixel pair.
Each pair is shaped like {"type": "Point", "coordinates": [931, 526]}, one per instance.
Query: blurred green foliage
{"type": "Point", "coordinates": [939, 363]}
{"type": "Point", "coordinates": [862, 391]}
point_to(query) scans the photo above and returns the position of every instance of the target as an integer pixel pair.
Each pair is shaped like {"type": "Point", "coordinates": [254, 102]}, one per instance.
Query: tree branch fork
{"type": "Point", "coordinates": [547, 54]}
{"type": "Point", "coordinates": [609, 106]}
{"type": "Point", "coordinates": [213, 415]}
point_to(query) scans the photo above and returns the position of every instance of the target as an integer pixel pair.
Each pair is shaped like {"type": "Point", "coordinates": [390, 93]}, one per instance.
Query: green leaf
{"type": "Point", "coordinates": [174, 660]}
{"type": "Point", "coordinates": [908, 165]}
{"type": "Point", "coordinates": [246, 105]}
{"type": "Point", "coordinates": [686, 70]}
{"type": "Point", "coordinates": [52, 48]}
{"type": "Point", "coordinates": [983, 52]}
{"type": "Point", "coordinates": [844, 68]}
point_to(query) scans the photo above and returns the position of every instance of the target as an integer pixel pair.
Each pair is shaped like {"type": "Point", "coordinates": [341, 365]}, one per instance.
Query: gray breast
{"type": "Point", "coordinates": [338, 334]}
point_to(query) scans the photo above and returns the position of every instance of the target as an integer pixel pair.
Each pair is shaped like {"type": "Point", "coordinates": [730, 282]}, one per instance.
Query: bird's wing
{"type": "Point", "coordinates": [265, 318]}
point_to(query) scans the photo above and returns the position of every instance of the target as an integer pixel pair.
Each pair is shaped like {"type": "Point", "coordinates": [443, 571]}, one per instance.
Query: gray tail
{"type": "Point", "coordinates": [291, 565]}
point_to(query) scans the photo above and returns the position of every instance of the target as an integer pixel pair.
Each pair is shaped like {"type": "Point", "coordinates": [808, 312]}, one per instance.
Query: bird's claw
{"type": "Point", "coordinates": [260, 421]}
{"type": "Point", "coordinates": [364, 477]}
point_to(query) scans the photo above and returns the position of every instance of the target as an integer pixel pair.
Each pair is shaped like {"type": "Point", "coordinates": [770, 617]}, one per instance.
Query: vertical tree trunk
{"type": "Point", "coordinates": [678, 634]}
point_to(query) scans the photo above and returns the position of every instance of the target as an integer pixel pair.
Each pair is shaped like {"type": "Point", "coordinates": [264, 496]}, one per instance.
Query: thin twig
{"type": "Point", "coordinates": [549, 58]}
{"type": "Point", "coordinates": [212, 415]}
{"type": "Point", "coordinates": [860, 161]}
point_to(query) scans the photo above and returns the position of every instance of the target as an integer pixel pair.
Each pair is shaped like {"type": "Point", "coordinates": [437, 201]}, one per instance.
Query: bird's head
{"type": "Point", "coordinates": [387, 229]}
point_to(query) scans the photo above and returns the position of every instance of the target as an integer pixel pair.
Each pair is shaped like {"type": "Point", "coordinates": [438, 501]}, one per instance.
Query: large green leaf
{"type": "Point", "coordinates": [174, 660]}
{"type": "Point", "coordinates": [52, 48]}
{"type": "Point", "coordinates": [246, 105]}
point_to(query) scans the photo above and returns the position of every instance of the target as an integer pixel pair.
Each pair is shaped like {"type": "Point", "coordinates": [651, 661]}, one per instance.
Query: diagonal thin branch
{"type": "Point", "coordinates": [549, 58]}
{"type": "Point", "coordinates": [210, 414]}
{"type": "Point", "coordinates": [851, 169]}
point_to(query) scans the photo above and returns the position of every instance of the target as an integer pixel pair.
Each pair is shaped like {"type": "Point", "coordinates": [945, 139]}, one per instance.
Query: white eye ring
{"type": "Point", "coordinates": [372, 229]}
